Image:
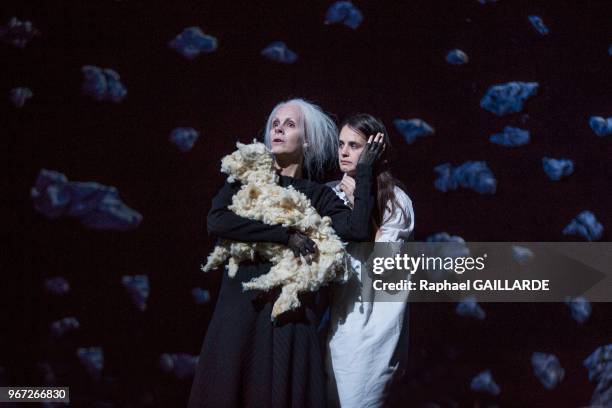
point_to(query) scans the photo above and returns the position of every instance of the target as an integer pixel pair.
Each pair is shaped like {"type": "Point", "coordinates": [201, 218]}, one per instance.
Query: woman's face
{"type": "Point", "coordinates": [350, 147]}
{"type": "Point", "coordinates": [286, 134]}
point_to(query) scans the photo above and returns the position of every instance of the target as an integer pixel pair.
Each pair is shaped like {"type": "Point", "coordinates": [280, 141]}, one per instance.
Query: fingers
{"type": "Point", "coordinates": [302, 246]}
{"type": "Point", "coordinates": [369, 144]}
{"type": "Point", "coordinates": [310, 245]}
{"type": "Point", "coordinates": [314, 248]}
{"type": "Point", "coordinates": [378, 146]}
{"type": "Point", "coordinates": [375, 142]}
{"type": "Point", "coordinates": [307, 259]}
{"type": "Point", "coordinates": [313, 245]}
{"type": "Point", "coordinates": [379, 139]}
{"type": "Point", "coordinates": [349, 181]}
{"type": "Point", "coordinates": [347, 186]}
{"type": "Point", "coordinates": [306, 251]}
{"type": "Point", "coordinates": [373, 149]}
{"type": "Point", "coordinates": [307, 245]}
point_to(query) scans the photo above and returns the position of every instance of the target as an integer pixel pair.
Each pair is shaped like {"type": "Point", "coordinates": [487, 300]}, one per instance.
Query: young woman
{"type": "Point", "coordinates": [246, 359]}
{"type": "Point", "coordinates": [363, 344]}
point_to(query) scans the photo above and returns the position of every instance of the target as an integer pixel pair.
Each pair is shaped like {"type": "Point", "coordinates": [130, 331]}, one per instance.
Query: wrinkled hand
{"type": "Point", "coordinates": [373, 150]}
{"type": "Point", "coordinates": [300, 244]}
{"type": "Point", "coordinates": [347, 185]}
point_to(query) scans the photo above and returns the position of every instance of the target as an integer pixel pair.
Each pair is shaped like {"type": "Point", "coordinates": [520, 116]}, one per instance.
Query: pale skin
{"type": "Point", "coordinates": [351, 145]}
{"type": "Point", "coordinates": [288, 144]}
{"type": "Point", "coordinates": [287, 140]}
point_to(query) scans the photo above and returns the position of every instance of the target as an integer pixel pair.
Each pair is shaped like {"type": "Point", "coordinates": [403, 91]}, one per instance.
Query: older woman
{"type": "Point", "coordinates": [364, 334]}
{"type": "Point", "coordinates": [246, 359]}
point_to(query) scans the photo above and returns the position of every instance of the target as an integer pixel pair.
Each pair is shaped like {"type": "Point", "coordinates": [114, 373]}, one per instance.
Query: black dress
{"type": "Point", "coordinates": [247, 360]}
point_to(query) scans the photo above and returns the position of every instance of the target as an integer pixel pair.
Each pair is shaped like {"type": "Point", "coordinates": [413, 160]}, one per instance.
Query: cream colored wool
{"type": "Point", "coordinates": [261, 198]}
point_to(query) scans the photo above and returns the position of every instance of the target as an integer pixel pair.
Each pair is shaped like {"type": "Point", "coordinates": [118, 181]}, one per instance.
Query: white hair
{"type": "Point", "coordinates": [320, 132]}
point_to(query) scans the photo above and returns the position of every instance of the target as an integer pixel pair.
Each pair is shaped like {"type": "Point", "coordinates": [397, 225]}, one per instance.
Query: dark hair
{"type": "Point", "coordinates": [385, 182]}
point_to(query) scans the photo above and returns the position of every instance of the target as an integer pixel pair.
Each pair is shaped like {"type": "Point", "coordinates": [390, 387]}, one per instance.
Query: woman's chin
{"type": "Point", "coordinates": [283, 151]}
{"type": "Point", "coordinates": [347, 169]}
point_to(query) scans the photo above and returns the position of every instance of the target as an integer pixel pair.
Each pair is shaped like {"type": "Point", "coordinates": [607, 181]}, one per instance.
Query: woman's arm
{"type": "Point", "coordinates": [224, 223]}
{"type": "Point", "coordinates": [352, 225]}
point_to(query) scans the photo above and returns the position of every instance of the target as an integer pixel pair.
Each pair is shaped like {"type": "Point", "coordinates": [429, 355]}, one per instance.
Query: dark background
{"type": "Point", "coordinates": [392, 66]}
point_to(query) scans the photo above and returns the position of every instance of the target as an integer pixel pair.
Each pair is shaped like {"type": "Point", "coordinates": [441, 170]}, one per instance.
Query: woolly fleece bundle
{"type": "Point", "coordinates": [261, 198]}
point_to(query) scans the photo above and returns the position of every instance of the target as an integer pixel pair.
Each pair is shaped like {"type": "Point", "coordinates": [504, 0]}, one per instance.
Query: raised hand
{"type": "Point", "coordinates": [373, 150]}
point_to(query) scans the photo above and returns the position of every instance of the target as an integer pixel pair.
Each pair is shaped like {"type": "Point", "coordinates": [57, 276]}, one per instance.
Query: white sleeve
{"type": "Point", "coordinates": [397, 227]}
{"type": "Point", "coordinates": [335, 186]}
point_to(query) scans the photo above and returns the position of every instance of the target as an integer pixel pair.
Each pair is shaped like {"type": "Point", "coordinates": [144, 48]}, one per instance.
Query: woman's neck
{"type": "Point", "coordinates": [289, 168]}
{"type": "Point", "coordinates": [293, 170]}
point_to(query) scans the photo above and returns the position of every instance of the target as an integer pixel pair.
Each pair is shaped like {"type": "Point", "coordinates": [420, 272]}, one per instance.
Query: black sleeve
{"type": "Point", "coordinates": [352, 225]}
{"type": "Point", "coordinates": [224, 223]}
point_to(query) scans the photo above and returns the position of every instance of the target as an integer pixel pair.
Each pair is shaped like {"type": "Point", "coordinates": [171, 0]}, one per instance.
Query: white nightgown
{"type": "Point", "coordinates": [364, 335]}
